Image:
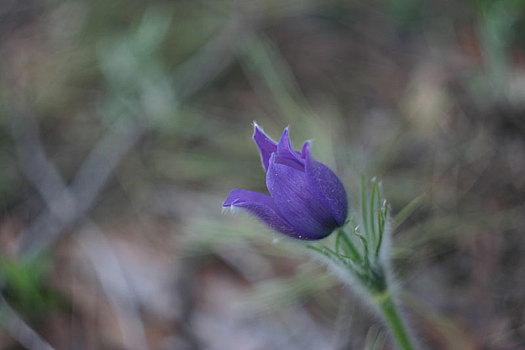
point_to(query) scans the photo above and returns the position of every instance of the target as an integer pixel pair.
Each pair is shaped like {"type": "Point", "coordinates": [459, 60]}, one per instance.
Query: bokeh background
{"type": "Point", "coordinates": [124, 125]}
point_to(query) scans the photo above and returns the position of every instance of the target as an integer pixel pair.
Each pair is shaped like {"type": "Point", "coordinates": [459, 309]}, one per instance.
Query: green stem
{"type": "Point", "coordinates": [394, 320]}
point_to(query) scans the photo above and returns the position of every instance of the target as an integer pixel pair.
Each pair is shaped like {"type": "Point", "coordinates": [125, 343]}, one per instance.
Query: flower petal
{"type": "Point", "coordinates": [262, 206]}
{"type": "Point", "coordinates": [286, 154]}
{"type": "Point", "coordinates": [296, 202]}
{"type": "Point", "coordinates": [266, 145]}
{"type": "Point", "coordinates": [326, 186]}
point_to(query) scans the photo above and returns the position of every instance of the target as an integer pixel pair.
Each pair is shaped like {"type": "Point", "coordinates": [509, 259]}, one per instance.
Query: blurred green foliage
{"type": "Point", "coordinates": [24, 285]}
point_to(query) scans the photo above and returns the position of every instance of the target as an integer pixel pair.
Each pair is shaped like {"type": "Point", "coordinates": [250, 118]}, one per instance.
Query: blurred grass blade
{"type": "Point", "coordinates": [408, 210]}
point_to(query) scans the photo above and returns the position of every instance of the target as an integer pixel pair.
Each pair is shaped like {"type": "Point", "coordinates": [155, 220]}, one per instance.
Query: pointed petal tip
{"type": "Point", "coordinates": [233, 197]}
{"type": "Point", "coordinates": [265, 144]}
{"type": "Point", "coordinates": [284, 140]}
{"type": "Point", "coordinates": [305, 151]}
{"type": "Point", "coordinates": [286, 133]}
{"type": "Point", "coordinates": [259, 130]}
{"type": "Point", "coordinates": [258, 133]}
{"type": "Point", "coordinates": [287, 154]}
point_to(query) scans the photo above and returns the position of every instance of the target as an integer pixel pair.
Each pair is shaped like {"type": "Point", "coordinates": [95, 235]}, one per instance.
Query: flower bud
{"type": "Point", "coordinates": [306, 201]}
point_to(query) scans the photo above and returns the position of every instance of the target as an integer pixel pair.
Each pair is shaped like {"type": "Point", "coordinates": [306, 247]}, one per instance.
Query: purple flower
{"type": "Point", "coordinates": [307, 200]}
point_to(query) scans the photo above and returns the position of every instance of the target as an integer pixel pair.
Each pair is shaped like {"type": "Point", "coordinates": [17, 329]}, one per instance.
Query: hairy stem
{"type": "Point", "coordinates": [394, 321]}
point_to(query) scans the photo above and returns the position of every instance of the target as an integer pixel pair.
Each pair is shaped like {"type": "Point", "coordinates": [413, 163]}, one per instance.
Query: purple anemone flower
{"type": "Point", "coordinates": [307, 200]}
